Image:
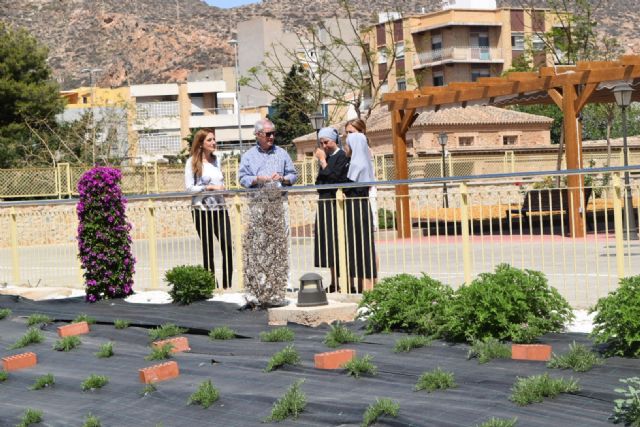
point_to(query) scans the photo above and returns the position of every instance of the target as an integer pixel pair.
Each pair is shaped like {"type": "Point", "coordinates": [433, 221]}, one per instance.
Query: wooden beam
{"type": "Point", "coordinates": [556, 96]}
{"type": "Point", "coordinates": [574, 159]}
{"type": "Point", "coordinates": [586, 93]}
{"type": "Point", "coordinates": [402, 172]}
{"type": "Point", "coordinates": [410, 116]}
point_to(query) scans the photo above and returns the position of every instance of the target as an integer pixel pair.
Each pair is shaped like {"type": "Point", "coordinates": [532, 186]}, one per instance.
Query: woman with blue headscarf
{"type": "Point", "coordinates": [333, 168]}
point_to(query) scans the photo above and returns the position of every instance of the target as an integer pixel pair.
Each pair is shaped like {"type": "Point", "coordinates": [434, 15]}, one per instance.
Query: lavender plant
{"type": "Point", "coordinates": [103, 235]}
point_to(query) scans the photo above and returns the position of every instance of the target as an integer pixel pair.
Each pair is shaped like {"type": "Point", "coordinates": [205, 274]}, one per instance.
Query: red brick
{"type": "Point", "coordinates": [73, 329]}
{"type": "Point", "coordinates": [161, 372]}
{"type": "Point", "coordinates": [333, 359]}
{"type": "Point", "coordinates": [19, 361]}
{"type": "Point", "coordinates": [537, 352]}
{"type": "Point", "coordinates": [179, 344]}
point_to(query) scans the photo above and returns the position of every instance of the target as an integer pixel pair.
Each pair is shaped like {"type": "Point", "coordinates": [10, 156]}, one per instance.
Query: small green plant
{"type": "Point", "coordinates": [94, 382]}
{"type": "Point", "coordinates": [67, 343]}
{"type": "Point", "coordinates": [627, 409]}
{"type": "Point", "coordinates": [617, 319]}
{"type": "Point", "coordinates": [339, 334]}
{"type": "Point", "coordinates": [3, 376]}
{"type": "Point", "coordinates": [291, 404]}
{"type": "Point", "coordinates": [43, 381]}
{"type": "Point", "coordinates": [32, 336]}
{"type": "Point", "coordinates": [31, 416]}
{"type": "Point", "coordinates": [488, 349]}
{"type": "Point", "coordinates": [379, 408]}
{"type": "Point", "coordinates": [436, 380]}
{"type": "Point", "coordinates": [579, 358]}
{"type": "Point", "coordinates": [386, 219]}
{"type": "Point", "coordinates": [287, 356]}
{"type": "Point", "coordinates": [190, 283]}
{"type": "Point", "coordinates": [205, 396]}
{"type": "Point", "coordinates": [148, 389]}
{"type": "Point", "coordinates": [222, 333]}
{"type": "Point", "coordinates": [92, 421]}
{"type": "Point", "coordinates": [499, 422]}
{"type": "Point", "coordinates": [406, 303]}
{"type": "Point", "coordinates": [5, 312]}
{"type": "Point", "coordinates": [82, 317]}
{"type": "Point", "coordinates": [406, 344]}
{"type": "Point", "coordinates": [121, 323]}
{"type": "Point", "coordinates": [278, 335]}
{"type": "Point", "coordinates": [165, 331]}
{"type": "Point", "coordinates": [38, 319]}
{"type": "Point", "coordinates": [105, 350]}
{"type": "Point", "coordinates": [536, 387]}
{"type": "Point", "coordinates": [359, 366]}
{"type": "Point", "coordinates": [160, 353]}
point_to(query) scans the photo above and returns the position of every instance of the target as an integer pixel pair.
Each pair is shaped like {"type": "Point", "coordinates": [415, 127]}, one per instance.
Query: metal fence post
{"type": "Point", "coordinates": [237, 237]}
{"type": "Point", "coordinates": [156, 181]}
{"type": "Point", "coordinates": [15, 258]}
{"type": "Point", "coordinates": [464, 225]}
{"type": "Point", "coordinates": [343, 280]}
{"type": "Point", "coordinates": [153, 251]}
{"type": "Point", "coordinates": [618, 194]}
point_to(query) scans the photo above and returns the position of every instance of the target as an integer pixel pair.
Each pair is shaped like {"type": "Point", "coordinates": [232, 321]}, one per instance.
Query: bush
{"type": "Point", "coordinates": [359, 366]}
{"type": "Point", "coordinates": [488, 349]}
{"type": "Point", "coordinates": [386, 219]}
{"type": "Point", "coordinates": [627, 410]}
{"type": "Point", "coordinates": [379, 408]}
{"type": "Point", "coordinates": [536, 387]}
{"type": "Point", "coordinates": [339, 334]}
{"type": "Point", "coordinates": [436, 380]}
{"type": "Point", "coordinates": [205, 396]}
{"type": "Point", "coordinates": [190, 283]}
{"type": "Point", "coordinates": [104, 243]}
{"type": "Point", "coordinates": [92, 421]}
{"type": "Point", "coordinates": [67, 343]}
{"type": "Point", "coordinates": [43, 381]}
{"type": "Point", "coordinates": [291, 404]}
{"type": "Point", "coordinates": [121, 324]}
{"type": "Point", "coordinates": [579, 358]}
{"type": "Point", "coordinates": [406, 344]}
{"type": "Point", "coordinates": [31, 416]}
{"type": "Point", "coordinates": [105, 350]}
{"type": "Point", "coordinates": [277, 335]}
{"type": "Point", "coordinates": [32, 336]}
{"type": "Point", "coordinates": [509, 304]}
{"type": "Point", "coordinates": [94, 382]}
{"type": "Point", "coordinates": [287, 356]}
{"type": "Point", "coordinates": [82, 317]}
{"type": "Point", "coordinates": [617, 321]}
{"type": "Point", "coordinates": [160, 353]}
{"type": "Point", "coordinates": [222, 333]}
{"type": "Point", "coordinates": [4, 312]}
{"type": "Point", "coordinates": [164, 331]}
{"type": "Point", "coordinates": [499, 422]}
{"type": "Point", "coordinates": [406, 303]}
{"type": "Point", "coordinates": [38, 319]}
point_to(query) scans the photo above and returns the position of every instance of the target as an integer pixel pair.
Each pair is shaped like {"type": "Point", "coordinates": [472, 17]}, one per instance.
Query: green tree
{"type": "Point", "coordinates": [29, 98]}
{"type": "Point", "coordinates": [292, 106]}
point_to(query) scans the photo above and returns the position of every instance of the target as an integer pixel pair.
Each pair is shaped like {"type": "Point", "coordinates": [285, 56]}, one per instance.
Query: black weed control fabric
{"type": "Point", "coordinates": [247, 393]}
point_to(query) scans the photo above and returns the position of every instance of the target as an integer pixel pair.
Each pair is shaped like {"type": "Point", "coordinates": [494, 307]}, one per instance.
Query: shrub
{"type": "Point", "coordinates": [498, 422]}
{"type": "Point", "coordinates": [407, 344]}
{"type": "Point", "coordinates": [536, 387]}
{"type": "Point", "coordinates": [488, 349]}
{"type": "Point", "coordinates": [222, 333]}
{"type": "Point", "coordinates": [160, 353]}
{"type": "Point", "coordinates": [291, 404]}
{"type": "Point", "coordinates": [43, 381]}
{"type": "Point", "coordinates": [121, 324]}
{"type": "Point", "coordinates": [205, 396]}
{"type": "Point", "coordinates": [386, 219]}
{"type": "Point", "coordinates": [148, 389]}
{"type": "Point", "coordinates": [3, 376]}
{"type": "Point", "coordinates": [627, 410]}
{"type": "Point", "coordinates": [617, 321]}
{"type": "Point", "coordinates": [94, 382]}
{"type": "Point", "coordinates": [406, 303]}
{"type": "Point", "coordinates": [104, 243]}
{"type": "Point", "coordinates": [105, 350]}
{"type": "Point", "coordinates": [31, 416]}
{"type": "Point", "coordinates": [287, 356]}
{"type": "Point", "coordinates": [436, 380]}
{"type": "Point", "coordinates": [38, 319]}
{"type": "Point", "coordinates": [67, 343]}
{"type": "Point", "coordinates": [32, 336]}
{"type": "Point", "coordinates": [190, 283]}
{"type": "Point", "coordinates": [82, 317]}
{"type": "Point", "coordinates": [507, 304]}
{"type": "Point", "coordinates": [379, 408]}
{"type": "Point", "coordinates": [359, 366]}
{"type": "Point", "coordinates": [339, 334]}
{"type": "Point", "coordinates": [579, 358]}
{"type": "Point", "coordinates": [164, 331]}
{"type": "Point", "coordinates": [92, 421]}
{"type": "Point", "coordinates": [4, 312]}
{"type": "Point", "coordinates": [278, 335]}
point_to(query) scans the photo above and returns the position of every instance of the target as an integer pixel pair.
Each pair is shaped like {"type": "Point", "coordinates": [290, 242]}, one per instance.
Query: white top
{"type": "Point", "coordinates": [211, 175]}
{"type": "Point", "coordinates": [360, 166]}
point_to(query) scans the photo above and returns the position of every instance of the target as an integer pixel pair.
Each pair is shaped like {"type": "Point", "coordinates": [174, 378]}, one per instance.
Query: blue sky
{"type": "Point", "coordinates": [230, 3]}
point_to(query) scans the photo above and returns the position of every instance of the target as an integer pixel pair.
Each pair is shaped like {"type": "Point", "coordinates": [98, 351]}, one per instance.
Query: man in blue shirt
{"type": "Point", "coordinates": [266, 162]}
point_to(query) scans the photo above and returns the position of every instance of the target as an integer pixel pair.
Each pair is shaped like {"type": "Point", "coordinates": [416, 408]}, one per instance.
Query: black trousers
{"type": "Point", "coordinates": [215, 222]}
{"type": "Point", "coordinates": [361, 248]}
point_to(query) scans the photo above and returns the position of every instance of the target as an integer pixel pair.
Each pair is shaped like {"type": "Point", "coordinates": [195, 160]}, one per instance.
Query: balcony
{"type": "Point", "coordinates": [159, 144]}
{"type": "Point", "coordinates": [460, 54]}
{"type": "Point", "coordinates": [151, 110]}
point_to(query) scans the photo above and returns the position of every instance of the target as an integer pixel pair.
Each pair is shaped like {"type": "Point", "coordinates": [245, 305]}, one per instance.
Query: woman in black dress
{"type": "Point", "coordinates": [333, 168]}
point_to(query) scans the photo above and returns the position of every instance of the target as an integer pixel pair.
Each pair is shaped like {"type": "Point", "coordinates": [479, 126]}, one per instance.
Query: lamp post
{"type": "Point", "coordinates": [317, 121]}
{"type": "Point", "coordinates": [93, 117]}
{"type": "Point", "coordinates": [234, 43]}
{"type": "Point", "coordinates": [442, 139]}
{"type": "Point", "coordinates": [622, 93]}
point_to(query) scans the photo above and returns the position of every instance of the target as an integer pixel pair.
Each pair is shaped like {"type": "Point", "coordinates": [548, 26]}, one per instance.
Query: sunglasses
{"type": "Point", "coordinates": [268, 134]}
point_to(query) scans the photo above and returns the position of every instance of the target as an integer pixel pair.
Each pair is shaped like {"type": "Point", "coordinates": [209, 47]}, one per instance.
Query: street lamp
{"type": "Point", "coordinates": [622, 93]}
{"type": "Point", "coordinates": [93, 117]}
{"type": "Point", "coordinates": [234, 43]}
{"type": "Point", "coordinates": [442, 139]}
{"type": "Point", "coordinates": [317, 121]}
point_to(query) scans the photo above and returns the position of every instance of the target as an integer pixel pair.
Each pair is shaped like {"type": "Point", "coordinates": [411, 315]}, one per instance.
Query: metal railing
{"type": "Point", "coordinates": [482, 226]}
{"type": "Point", "coordinates": [461, 53]}
{"type": "Point", "coordinates": [149, 110]}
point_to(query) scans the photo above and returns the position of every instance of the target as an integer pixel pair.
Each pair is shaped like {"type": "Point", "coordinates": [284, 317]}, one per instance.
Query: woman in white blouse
{"type": "Point", "coordinates": [201, 175]}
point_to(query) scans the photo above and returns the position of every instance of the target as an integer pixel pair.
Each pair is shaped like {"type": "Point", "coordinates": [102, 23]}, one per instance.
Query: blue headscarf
{"type": "Point", "coordinates": [328, 133]}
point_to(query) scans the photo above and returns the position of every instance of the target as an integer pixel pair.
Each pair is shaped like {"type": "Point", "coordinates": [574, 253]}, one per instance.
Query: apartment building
{"type": "Point", "coordinates": [462, 42]}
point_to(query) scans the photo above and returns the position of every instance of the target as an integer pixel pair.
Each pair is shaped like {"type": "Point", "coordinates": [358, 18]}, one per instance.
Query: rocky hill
{"type": "Point", "coordinates": [145, 41]}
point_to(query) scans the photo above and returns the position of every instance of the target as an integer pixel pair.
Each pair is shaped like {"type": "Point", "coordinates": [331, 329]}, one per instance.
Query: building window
{"type": "Point", "coordinates": [399, 50]}
{"type": "Point", "coordinates": [382, 55]}
{"type": "Point", "coordinates": [479, 71]}
{"type": "Point", "coordinates": [537, 43]}
{"type": "Point", "coordinates": [402, 85]}
{"type": "Point", "coordinates": [381, 35]}
{"type": "Point", "coordinates": [436, 41]}
{"type": "Point", "coordinates": [509, 140]}
{"type": "Point", "coordinates": [398, 33]}
{"type": "Point", "coordinates": [85, 100]}
{"type": "Point", "coordinates": [517, 41]}
{"type": "Point", "coordinates": [438, 78]}
{"type": "Point", "coordinates": [465, 141]}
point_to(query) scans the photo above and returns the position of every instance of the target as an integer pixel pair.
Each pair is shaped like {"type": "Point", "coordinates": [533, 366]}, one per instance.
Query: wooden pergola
{"type": "Point", "coordinates": [569, 87]}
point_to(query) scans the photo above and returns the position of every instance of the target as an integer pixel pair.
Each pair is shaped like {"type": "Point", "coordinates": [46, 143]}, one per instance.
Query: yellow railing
{"type": "Point", "coordinates": [474, 226]}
